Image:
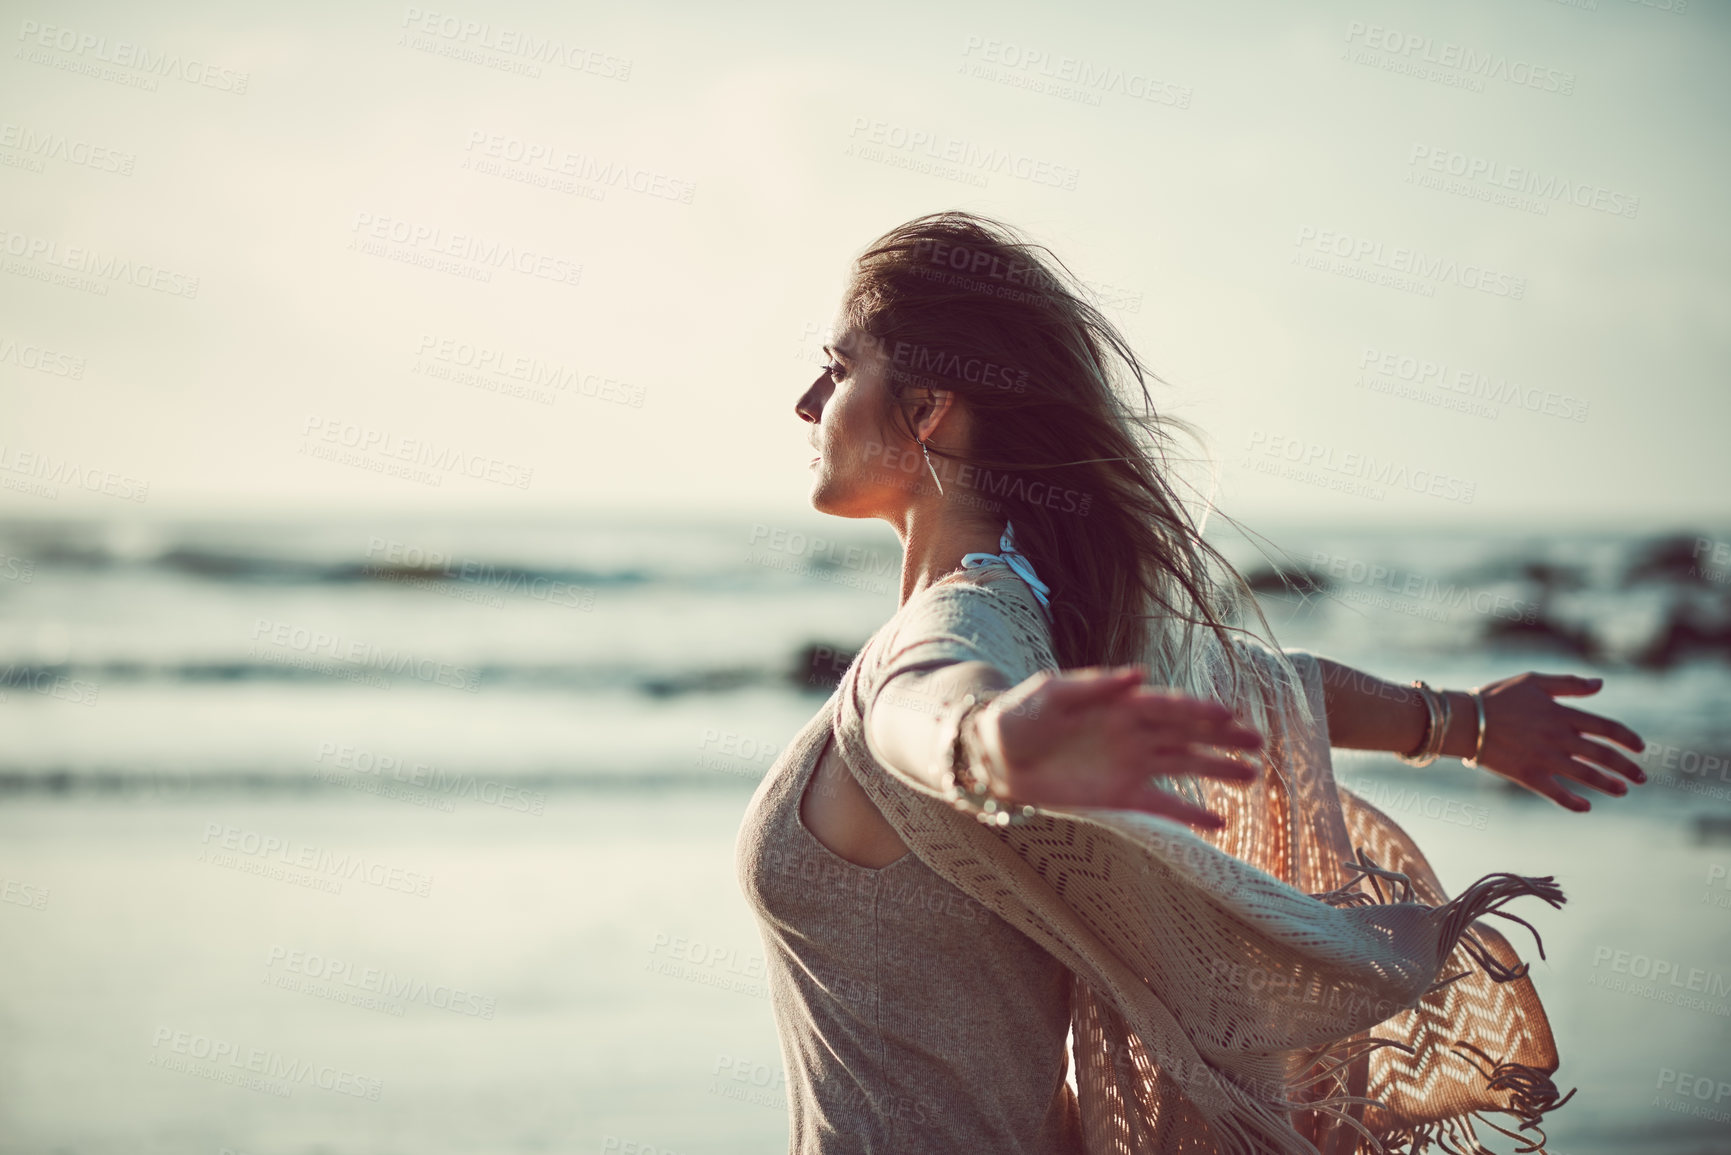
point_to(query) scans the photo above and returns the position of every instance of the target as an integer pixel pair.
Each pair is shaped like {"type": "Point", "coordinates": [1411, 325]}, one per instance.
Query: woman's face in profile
{"type": "Point", "coordinates": [863, 465]}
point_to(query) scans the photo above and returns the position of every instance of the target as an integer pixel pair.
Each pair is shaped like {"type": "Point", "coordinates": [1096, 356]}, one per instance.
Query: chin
{"type": "Point", "coordinates": [824, 502]}
{"type": "Point", "coordinates": [833, 499]}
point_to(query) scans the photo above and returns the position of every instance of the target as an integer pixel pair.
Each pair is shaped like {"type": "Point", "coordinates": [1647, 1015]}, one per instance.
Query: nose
{"type": "Point", "coordinates": [809, 407]}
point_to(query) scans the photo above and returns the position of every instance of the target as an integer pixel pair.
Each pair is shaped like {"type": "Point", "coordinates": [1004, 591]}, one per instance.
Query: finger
{"type": "Point", "coordinates": [1152, 800]}
{"type": "Point", "coordinates": [1605, 728]}
{"type": "Point", "coordinates": [1599, 754]}
{"type": "Point", "coordinates": [1568, 685]}
{"type": "Point", "coordinates": [1166, 764]}
{"type": "Point", "coordinates": [1608, 757]}
{"type": "Point", "coordinates": [1178, 699]}
{"type": "Point", "coordinates": [1075, 688]}
{"type": "Point", "coordinates": [1586, 774]}
{"type": "Point", "coordinates": [1131, 671]}
{"type": "Point", "coordinates": [1180, 713]}
{"type": "Point", "coordinates": [1183, 736]}
{"type": "Point", "coordinates": [1553, 790]}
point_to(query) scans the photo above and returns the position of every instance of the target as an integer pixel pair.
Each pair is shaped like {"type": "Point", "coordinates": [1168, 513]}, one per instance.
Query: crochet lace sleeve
{"type": "Point", "coordinates": [991, 618]}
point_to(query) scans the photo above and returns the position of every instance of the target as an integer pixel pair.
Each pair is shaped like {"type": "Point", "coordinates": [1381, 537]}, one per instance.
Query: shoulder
{"type": "Point", "coordinates": [985, 591]}
{"type": "Point", "coordinates": [988, 610]}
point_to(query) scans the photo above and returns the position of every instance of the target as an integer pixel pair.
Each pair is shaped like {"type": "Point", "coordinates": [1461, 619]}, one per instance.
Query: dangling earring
{"type": "Point", "coordinates": [935, 480]}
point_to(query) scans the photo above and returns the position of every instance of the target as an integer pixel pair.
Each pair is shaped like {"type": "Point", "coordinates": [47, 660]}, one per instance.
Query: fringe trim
{"type": "Point", "coordinates": [1532, 1093]}
{"type": "Point", "coordinates": [1257, 1125]}
{"type": "Point", "coordinates": [1338, 1106]}
{"type": "Point", "coordinates": [1485, 897]}
{"type": "Point", "coordinates": [1447, 1135]}
{"type": "Point", "coordinates": [1348, 894]}
{"type": "Point", "coordinates": [1532, 1096]}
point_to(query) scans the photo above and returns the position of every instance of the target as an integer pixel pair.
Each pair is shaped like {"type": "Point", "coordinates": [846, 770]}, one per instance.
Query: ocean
{"type": "Point", "coordinates": [415, 834]}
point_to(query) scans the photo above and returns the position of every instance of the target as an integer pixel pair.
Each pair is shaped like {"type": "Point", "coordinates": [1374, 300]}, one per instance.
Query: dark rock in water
{"type": "Point", "coordinates": [1549, 576]}
{"type": "Point", "coordinates": [1545, 577]}
{"type": "Point", "coordinates": [1688, 631]}
{"type": "Point", "coordinates": [1713, 828]}
{"type": "Point", "coordinates": [1674, 559]}
{"type": "Point", "coordinates": [217, 565]}
{"type": "Point", "coordinates": [1492, 569]}
{"type": "Point", "coordinates": [819, 666]}
{"type": "Point", "coordinates": [1293, 581]}
{"type": "Point", "coordinates": [1542, 630]}
{"type": "Point", "coordinates": [701, 682]}
{"type": "Point", "coordinates": [208, 563]}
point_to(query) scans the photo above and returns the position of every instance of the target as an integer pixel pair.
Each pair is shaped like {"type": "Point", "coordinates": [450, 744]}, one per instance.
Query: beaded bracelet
{"type": "Point", "coordinates": [966, 790]}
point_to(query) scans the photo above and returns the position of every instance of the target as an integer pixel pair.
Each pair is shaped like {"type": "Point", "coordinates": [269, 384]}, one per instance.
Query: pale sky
{"type": "Point", "coordinates": [1587, 385]}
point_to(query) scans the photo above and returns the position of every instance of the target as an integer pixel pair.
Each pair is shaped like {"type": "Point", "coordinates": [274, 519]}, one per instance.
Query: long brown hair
{"type": "Point", "coordinates": [1067, 447]}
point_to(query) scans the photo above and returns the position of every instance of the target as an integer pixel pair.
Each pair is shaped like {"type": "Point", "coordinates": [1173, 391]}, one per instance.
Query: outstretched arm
{"type": "Point", "coordinates": [1530, 737]}
{"type": "Point", "coordinates": [1083, 737]}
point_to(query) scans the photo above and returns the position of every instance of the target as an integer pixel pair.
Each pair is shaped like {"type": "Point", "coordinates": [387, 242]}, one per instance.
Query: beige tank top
{"type": "Point", "coordinates": [913, 1020]}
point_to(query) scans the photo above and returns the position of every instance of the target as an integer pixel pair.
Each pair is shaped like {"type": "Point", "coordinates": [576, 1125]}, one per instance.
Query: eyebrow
{"type": "Point", "coordinates": [834, 352]}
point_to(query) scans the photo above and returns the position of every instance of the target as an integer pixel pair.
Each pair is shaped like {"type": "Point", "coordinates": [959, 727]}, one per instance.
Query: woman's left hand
{"type": "Point", "coordinates": [1534, 740]}
{"type": "Point", "coordinates": [1098, 737]}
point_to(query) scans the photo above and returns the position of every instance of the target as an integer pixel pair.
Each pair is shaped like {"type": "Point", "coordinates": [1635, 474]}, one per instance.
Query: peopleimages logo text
{"type": "Point", "coordinates": [125, 54]}
{"type": "Point", "coordinates": [94, 263]}
{"type": "Point", "coordinates": [1477, 63]}
{"type": "Point", "coordinates": [968, 155]}
{"type": "Point", "coordinates": [1413, 262]}
{"type": "Point", "coordinates": [1362, 467]}
{"type": "Point", "coordinates": [479, 250]}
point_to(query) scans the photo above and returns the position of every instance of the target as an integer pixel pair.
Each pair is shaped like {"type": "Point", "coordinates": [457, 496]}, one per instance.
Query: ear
{"type": "Point", "coordinates": [930, 407]}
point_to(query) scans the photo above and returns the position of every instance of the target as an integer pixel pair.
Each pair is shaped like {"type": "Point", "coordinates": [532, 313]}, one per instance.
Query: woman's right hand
{"type": "Point", "coordinates": [1094, 737]}
{"type": "Point", "coordinates": [1535, 741]}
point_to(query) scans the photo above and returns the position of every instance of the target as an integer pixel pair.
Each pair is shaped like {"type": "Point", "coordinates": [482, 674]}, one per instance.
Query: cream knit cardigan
{"type": "Point", "coordinates": [1226, 984]}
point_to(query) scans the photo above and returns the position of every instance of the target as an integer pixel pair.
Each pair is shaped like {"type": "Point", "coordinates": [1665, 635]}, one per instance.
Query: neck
{"type": "Point", "coordinates": [935, 535]}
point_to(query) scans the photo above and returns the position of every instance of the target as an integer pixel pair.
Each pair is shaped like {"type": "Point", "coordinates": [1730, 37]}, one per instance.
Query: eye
{"type": "Point", "coordinates": [835, 369]}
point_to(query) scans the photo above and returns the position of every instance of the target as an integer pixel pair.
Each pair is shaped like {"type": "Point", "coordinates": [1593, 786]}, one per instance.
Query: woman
{"type": "Point", "coordinates": [997, 840]}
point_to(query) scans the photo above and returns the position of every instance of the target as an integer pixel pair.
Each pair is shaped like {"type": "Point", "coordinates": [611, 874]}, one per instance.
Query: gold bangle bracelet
{"type": "Point", "coordinates": [1477, 759]}
{"type": "Point", "coordinates": [1442, 733]}
{"type": "Point", "coordinates": [1422, 754]}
